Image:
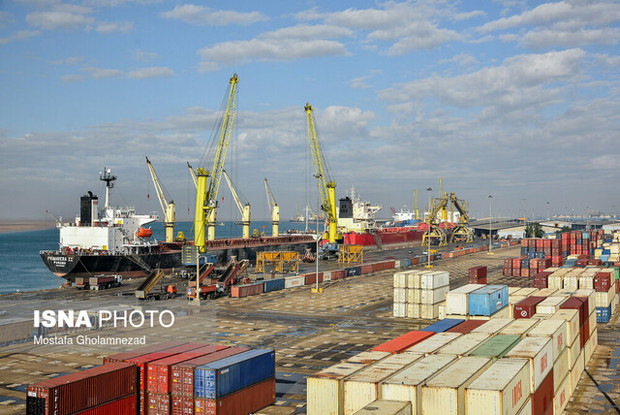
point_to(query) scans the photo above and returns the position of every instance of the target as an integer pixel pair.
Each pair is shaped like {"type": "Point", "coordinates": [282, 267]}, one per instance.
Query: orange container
{"type": "Point", "coordinates": [399, 344]}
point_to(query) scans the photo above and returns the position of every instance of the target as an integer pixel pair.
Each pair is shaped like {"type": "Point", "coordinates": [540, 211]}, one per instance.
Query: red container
{"type": "Point", "coordinates": [240, 291]}
{"type": "Point", "coordinates": [183, 373]}
{"type": "Point", "coordinates": [584, 332]}
{"type": "Point", "coordinates": [143, 361]}
{"type": "Point", "coordinates": [540, 283]}
{"type": "Point", "coordinates": [243, 402]}
{"type": "Point", "coordinates": [82, 390]}
{"type": "Point", "coordinates": [477, 280]}
{"type": "Point", "coordinates": [143, 403]}
{"type": "Point", "coordinates": [311, 278]}
{"type": "Point", "coordinates": [366, 269]}
{"type": "Point", "coordinates": [524, 242]}
{"type": "Point", "coordinates": [182, 405]}
{"type": "Point", "coordinates": [158, 403]}
{"type": "Point", "coordinates": [602, 281]}
{"type": "Point", "coordinates": [377, 266]}
{"type": "Point", "coordinates": [126, 405]}
{"type": "Point", "coordinates": [577, 303]}
{"type": "Point", "coordinates": [542, 398]}
{"type": "Point", "coordinates": [467, 326]}
{"type": "Point", "coordinates": [414, 261]}
{"type": "Point", "coordinates": [516, 262]}
{"type": "Point", "coordinates": [160, 373]}
{"type": "Point", "coordinates": [525, 272]}
{"type": "Point", "coordinates": [391, 264]}
{"type": "Point", "coordinates": [508, 263]}
{"type": "Point", "coordinates": [596, 262]}
{"type": "Point", "coordinates": [527, 308]}
{"type": "Point", "coordinates": [479, 271]}
{"type": "Point", "coordinates": [399, 344]}
{"type": "Point", "coordinates": [123, 357]}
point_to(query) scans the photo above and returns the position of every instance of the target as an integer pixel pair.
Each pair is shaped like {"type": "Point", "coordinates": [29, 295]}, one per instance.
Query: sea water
{"type": "Point", "coordinates": [22, 269]}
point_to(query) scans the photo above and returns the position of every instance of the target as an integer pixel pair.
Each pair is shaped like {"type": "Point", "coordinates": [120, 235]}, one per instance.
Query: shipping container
{"type": "Point", "coordinates": [368, 357]}
{"type": "Point", "coordinates": [434, 296]}
{"type": "Point", "coordinates": [158, 403]}
{"type": "Point", "coordinates": [431, 344]}
{"type": "Point", "coordinates": [385, 407]}
{"type": "Point", "coordinates": [124, 356]}
{"type": "Point", "coordinates": [497, 346]}
{"type": "Point", "coordinates": [467, 326]}
{"type": "Point", "coordinates": [478, 272]}
{"type": "Point", "coordinates": [443, 325]}
{"type": "Point", "coordinates": [526, 291]}
{"type": "Point", "coordinates": [182, 405]}
{"type": "Point", "coordinates": [561, 367]}
{"type": "Point", "coordinates": [414, 296]}
{"type": "Point", "coordinates": [576, 371]}
{"type": "Point", "coordinates": [445, 393]}
{"type": "Point", "coordinates": [500, 390]}
{"type": "Point", "coordinates": [399, 344]}
{"type": "Point", "coordinates": [579, 304]}
{"type": "Point", "coordinates": [572, 323]}
{"type": "Point", "coordinates": [399, 309]}
{"type": "Point", "coordinates": [487, 300]}
{"type": "Point", "coordinates": [464, 344]}
{"type": "Point", "coordinates": [429, 311]}
{"type": "Point", "coordinates": [407, 384]}
{"type": "Point", "coordinates": [539, 352]}
{"type": "Point", "coordinates": [546, 292]}
{"type": "Point", "coordinates": [493, 326]}
{"type": "Point", "coordinates": [400, 295]}
{"type": "Point", "coordinates": [217, 379]}
{"type": "Point", "coordinates": [457, 300]}
{"type": "Point", "coordinates": [413, 310]}
{"type": "Point", "coordinates": [520, 327]}
{"type": "Point", "coordinates": [604, 298]}
{"type": "Point", "coordinates": [550, 305]}
{"type": "Point", "coordinates": [298, 281]}
{"type": "Point", "coordinates": [242, 402]}
{"type": "Point", "coordinates": [400, 279]}
{"type": "Point", "coordinates": [363, 387]}
{"type": "Point", "coordinates": [556, 330]}
{"type": "Point", "coordinates": [126, 405]}
{"type": "Point", "coordinates": [561, 396]}
{"type": "Point", "coordinates": [273, 285]}
{"type": "Point", "coordinates": [310, 278]}
{"type": "Point", "coordinates": [435, 279]}
{"type": "Point", "coordinates": [542, 398]}
{"type": "Point", "coordinates": [603, 314]}
{"type": "Point", "coordinates": [353, 271]}
{"type": "Point", "coordinates": [81, 390]}
{"type": "Point", "coordinates": [240, 291]}
{"type": "Point", "coordinates": [590, 297]}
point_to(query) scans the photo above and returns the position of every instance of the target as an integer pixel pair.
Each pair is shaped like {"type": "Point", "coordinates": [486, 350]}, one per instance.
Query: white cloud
{"type": "Point", "coordinates": [200, 16]}
{"type": "Point", "coordinates": [144, 56]}
{"type": "Point", "coordinates": [72, 78]}
{"type": "Point", "coordinates": [549, 37]}
{"type": "Point", "coordinates": [152, 72]}
{"type": "Point", "coordinates": [62, 16]}
{"type": "Point", "coordinates": [102, 73]}
{"type": "Point", "coordinates": [19, 35]}
{"type": "Point", "coordinates": [6, 19]}
{"type": "Point", "coordinates": [114, 27]}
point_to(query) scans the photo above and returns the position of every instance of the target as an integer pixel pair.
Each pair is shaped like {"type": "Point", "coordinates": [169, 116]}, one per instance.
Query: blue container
{"type": "Point", "coordinates": [225, 376]}
{"type": "Point", "coordinates": [603, 314]}
{"type": "Point", "coordinates": [524, 250]}
{"type": "Point", "coordinates": [273, 285]}
{"type": "Point", "coordinates": [540, 254]}
{"type": "Point", "coordinates": [352, 271]}
{"type": "Point", "coordinates": [604, 258]}
{"type": "Point", "coordinates": [437, 257]}
{"type": "Point", "coordinates": [487, 300]}
{"type": "Point", "coordinates": [405, 263]}
{"type": "Point", "coordinates": [606, 252]}
{"type": "Point", "coordinates": [525, 263]}
{"type": "Point", "coordinates": [531, 255]}
{"type": "Point", "coordinates": [443, 325]}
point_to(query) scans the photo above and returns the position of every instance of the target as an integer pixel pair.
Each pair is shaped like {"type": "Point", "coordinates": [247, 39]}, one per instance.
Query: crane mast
{"type": "Point", "coordinates": [208, 183]}
{"type": "Point", "coordinates": [327, 187]}
{"type": "Point", "coordinates": [244, 209]}
{"type": "Point", "coordinates": [167, 207]}
{"type": "Point", "coordinates": [274, 209]}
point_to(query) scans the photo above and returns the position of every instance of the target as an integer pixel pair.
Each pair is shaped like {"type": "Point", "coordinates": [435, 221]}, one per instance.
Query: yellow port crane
{"type": "Point", "coordinates": [244, 208]}
{"type": "Point", "coordinates": [274, 209]}
{"type": "Point", "coordinates": [208, 183]}
{"type": "Point", "coordinates": [434, 232]}
{"type": "Point", "coordinates": [327, 187]}
{"type": "Point", "coordinates": [167, 204]}
{"type": "Point", "coordinates": [461, 231]}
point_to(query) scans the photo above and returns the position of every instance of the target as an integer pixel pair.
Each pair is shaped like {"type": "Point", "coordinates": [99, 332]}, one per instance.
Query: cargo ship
{"type": "Point", "coordinates": [118, 241]}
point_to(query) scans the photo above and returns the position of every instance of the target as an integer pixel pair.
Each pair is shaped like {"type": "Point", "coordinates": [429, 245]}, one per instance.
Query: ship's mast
{"type": "Point", "coordinates": [107, 177]}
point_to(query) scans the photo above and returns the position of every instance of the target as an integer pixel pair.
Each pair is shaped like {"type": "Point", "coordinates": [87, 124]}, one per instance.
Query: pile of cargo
{"type": "Point", "coordinates": [418, 294]}
{"type": "Point", "coordinates": [523, 365]}
{"type": "Point", "coordinates": [171, 378]}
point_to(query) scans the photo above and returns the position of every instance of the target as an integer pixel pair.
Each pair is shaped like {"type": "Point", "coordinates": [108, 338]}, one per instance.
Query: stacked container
{"type": "Point", "coordinates": [488, 300]}
{"type": "Point", "coordinates": [417, 294]}
{"type": "Point", "coordinates": [477, 275]}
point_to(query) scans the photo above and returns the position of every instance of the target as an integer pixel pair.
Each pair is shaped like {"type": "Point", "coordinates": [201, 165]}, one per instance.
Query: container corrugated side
{"type": "Point", "coordinates": [457, 300]}
{"type": "Point", "coordinates": [561, 396]}
{"type": "Point", "coordinates": [400, 295]}
{"type": "Point", "coordinates": [403, 342]}
{"type": "Point", "coordinates": [500, 390]}
{"type": "Point", "coordinates": [384, 407]}
{"type": "Point", "coordinates": [274, 284]}
{"type": "Point", "coordinates": [414, 295]}
{"type": "Point", "coordinates": [363, 387]}
{"type": "Point", "coordinates": [432, 344]}
{"type": "Point", "coordinates": [434, 296]}
{"type": "Point", "coordinates": [242, 402]}
{"type": "Point", "coordinates": [542, 398]}
{"type": "Point", "coordinates": [497, 346]}
{"type": "Point", "coordinates": [572, 323]}
{"type": "Point", "coordinates": [407, 384]}
{"type": "Point", "coordinates": [290, 282]}
{"type": "Point", "coordinates": [576, 372]}
{"type": "Point", "coordinates": [325, 389]}
{"type": "Point", "coordinates": [464, 344]}
{"type": "Point", "coordinates": [561, 367]}
{"type": "Point", "coordinates": [555, 329]}
{"type": "Point", "coordinates": [527, 408]}
{"type": "Point", "coordinates": [445, 393]}
{"type": "Point", "coordinates": [539, 352]}
{"type": "Point", "coordinates": [182, 405]}
{"type": "Point", "coordinates": [368, 357]}
{"type": "Point", "coordinates": [520, 327]}
{"type": "Point", "coordinates": [126, 405]}
{"type": "Point", "coordinates": [231, 374]}
{"type": "Point", "coordinates": [493, 326]}
{"type": "Point", "coordinates": [399, 309]}
{"type": "Point", "coordinates": [435, 279]}
{"type": "Point", "coordinates": [487, 300]}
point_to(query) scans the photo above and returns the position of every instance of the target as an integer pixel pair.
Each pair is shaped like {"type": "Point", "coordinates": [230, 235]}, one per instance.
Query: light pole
{"type": "Point", "coordinates": [318, 238]}
{"type": "Point", "coordinates": [490, 231]}
{"type": "Point", "coordinates": [428, 251]}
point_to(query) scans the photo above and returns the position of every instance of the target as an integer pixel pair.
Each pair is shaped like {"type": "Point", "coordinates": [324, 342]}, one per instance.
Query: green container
{"type": "Point", "coordinates": [616, 272]}
{"type": "Point", "coordinates": [496, 346]}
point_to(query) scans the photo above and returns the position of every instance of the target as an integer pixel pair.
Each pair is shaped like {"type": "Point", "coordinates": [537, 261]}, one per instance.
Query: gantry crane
{"type": "Point", "coordinates": [461, 231]}
{"type": "Point", "coordinates": [244, 208]}
{"type": "Point", "coordinates": [434, 232]}
{"type": "Point", "coordinates": [274, 209]}
{"type": "Point", "coordinates": [208, 183]}
{"type": "Point", "coordinates": [327, 187]}
{"type": "Point", "coordinates": [167, 204]}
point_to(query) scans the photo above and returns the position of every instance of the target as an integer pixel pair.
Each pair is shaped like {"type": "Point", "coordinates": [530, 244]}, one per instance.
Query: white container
{"type": "Point", "coordinates": [527, 408]}
{"type": "Point", "coordinates": [442, 310]}
{"type": "Point", "coordinates": [493, 326]}
{"type": "Point", "coordinates": [513, 290]}
{"type": "Point", "coordinates": [527, 291]}
{"type": "Point", "coordinates": [590, 295]}
{"type": "Point", "coordinates": [407, 384]}
{"type": "Point", "coordinates": [576, 372]}
{"type": "Point", "coordinates": [549, 305]}
{"type": "Point", "coordinates": [574, 350]}
{"type": "Point", "coordinates": [413, 279]}
{"type": "Point", "coordinates": [592, 322]}
{"type": "Point", "coordinates": [433, 343]}
{"type": "Point", "coordinates": [464, 344]}
{"type": "Point", "coordinates": [604, 299]}
{"type": "Point", "coordinates": [571, 283]}
{"type": "Point", "coordinates": [520, 327]}
{"type": "Point", "coordinates": [539, 352]}
{"type": "Point", "coordinates": [399, 310]}
{"type": "Point", "coordinates": [413, 310]}
{"type": "Point", "coordinates": [325, 389]}
{"type": "Point", "coordinates": [400, 279]}
{"type": "Point", "coordinates": [512, 301]}
{"type": "Point", "coordinates": [368, 357]}
{"type": "Point", "coordinates": [362, 388]}
{"type": "Point", "coordinates": [434, 280]}
{"type": "Point", "coordinates": [327, 276]}
{"type": "Point", "coordinates": [561, 396]}
{"type": "Point", "coordinates": [384, 407]}
{"type": "Point", "coordinates": [546, 292]}
{"type": "Point", "coordinates": [589, 347]}
{"type": "Point", "coordinates": [445, 393]}
{"type": "Point", "coordinates": [561, 367]}
{"type": "Point", "coordinates": [557, 331]}
{"type": "Point", "coordinates": [503, 313]}
{"type": "Point", "coordinates": [555, 281]}
{"type": "Point", "coordinates": [429, 311]}
{"type": "Point", "coordinates": [413, 296]}
{"type": "Point", "coordinates": [457, 300]}
{"type": "Point", "coordinates": [586, 282]}
{"type": "Point", "coordinates": [434, 296]}
{"type": "Point", "coordinates": [290, 282]}
{"type": "Point", "coordinates": [572, 323]}
{"type": "Point", "coordinates": [400, 295]}
{"type": "Point", "coordinates": [500, 390]}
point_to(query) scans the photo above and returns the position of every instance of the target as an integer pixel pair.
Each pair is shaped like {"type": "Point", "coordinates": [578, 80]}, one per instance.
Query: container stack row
{"type": "Point", "coordinates": [529, 364]}
{"type": "Point", "coordinates": [170, 378]}
{"type": "Point", "coordinates": [477, 301]}
{"type": "Point", "coordinates": [418, 294]}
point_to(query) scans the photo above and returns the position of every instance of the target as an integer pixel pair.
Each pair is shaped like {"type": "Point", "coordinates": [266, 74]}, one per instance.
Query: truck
{"type": "Point", "coordinates": [98, 282]}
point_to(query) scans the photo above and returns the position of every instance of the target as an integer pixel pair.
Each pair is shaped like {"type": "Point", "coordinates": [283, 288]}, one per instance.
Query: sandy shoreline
{"type": "Point", "coordinates": [8, 225]}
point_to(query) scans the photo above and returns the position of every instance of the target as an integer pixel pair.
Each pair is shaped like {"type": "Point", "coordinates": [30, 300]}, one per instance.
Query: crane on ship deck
{"type": "Point", "coordinates": [244, 208]}
{"type": "Point", "coordinates": [327, 186]}
{"type": "Point", "coordinates": [167, 204]}
{"type": "Point", "coordinates": [274, 209]}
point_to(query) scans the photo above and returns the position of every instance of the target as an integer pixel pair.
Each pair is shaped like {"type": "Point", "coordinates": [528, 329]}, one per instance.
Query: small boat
{"type": "Point", "coordinates": [144, 233]}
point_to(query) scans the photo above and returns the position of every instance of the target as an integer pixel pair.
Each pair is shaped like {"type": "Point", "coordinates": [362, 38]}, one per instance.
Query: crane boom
{"type": "Point", "coordinates": [327, 187]}
{"type": "Point", "coordinates": [192, 172]}
{"type": "Point", "coordinates": [244, 209]}
{"type": "Point", "coordinates": [274, 209]}
{"type": "Point", "coordinates": [167, 206]}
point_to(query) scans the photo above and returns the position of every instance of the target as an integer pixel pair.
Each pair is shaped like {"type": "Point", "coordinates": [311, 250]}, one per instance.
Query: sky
{"type": "Point", "coordinates": [509, 98]}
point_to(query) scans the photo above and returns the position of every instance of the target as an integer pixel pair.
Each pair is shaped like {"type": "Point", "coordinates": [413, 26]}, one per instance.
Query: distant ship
{"type": "Point", "coordinates": [118, 242]}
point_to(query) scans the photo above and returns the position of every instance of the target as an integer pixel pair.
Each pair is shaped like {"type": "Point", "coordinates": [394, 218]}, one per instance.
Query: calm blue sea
{"type": "Point", "coordinates": [21, 267]}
